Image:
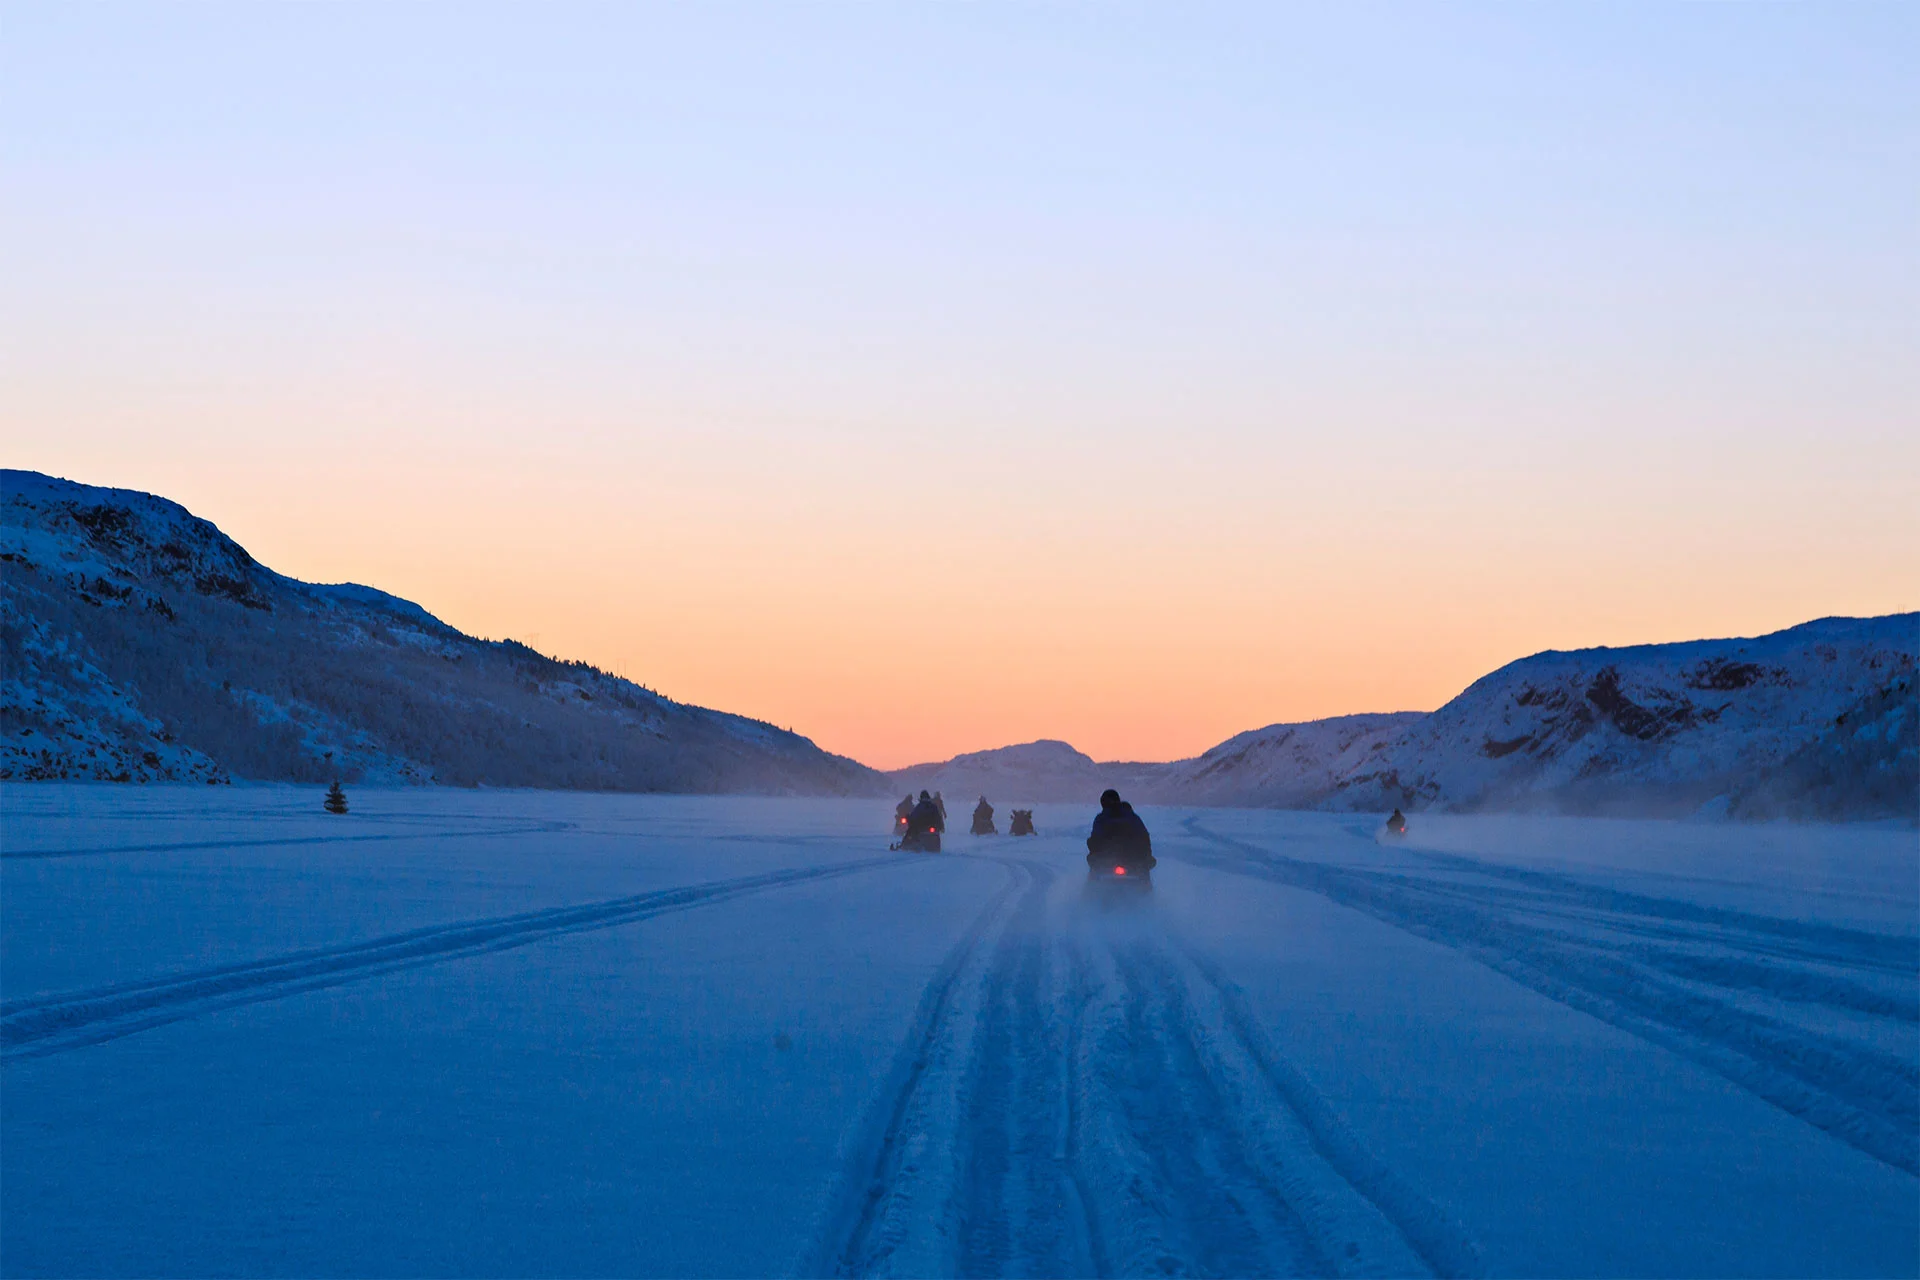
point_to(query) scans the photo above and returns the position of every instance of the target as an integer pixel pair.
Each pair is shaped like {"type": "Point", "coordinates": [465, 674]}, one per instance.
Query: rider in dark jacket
{"type": "Point", "coordinates": [983, 819]}
{"type": "Point", "coordinates": [924, 826]}
{"type": "Point", "coordinates": [1119, 837]}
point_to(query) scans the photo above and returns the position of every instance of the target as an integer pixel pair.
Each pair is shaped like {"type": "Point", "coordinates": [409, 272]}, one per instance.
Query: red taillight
{"type": "Point", "coordinates": [1119, 871]}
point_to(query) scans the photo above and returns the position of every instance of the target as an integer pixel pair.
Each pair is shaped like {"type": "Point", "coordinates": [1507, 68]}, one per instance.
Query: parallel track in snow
{"type": "Point", "coordinates": [1091, 1097]}
{"type": "Point", "coordinates": [188, 846]}
{"type": "Point", "coordinates": [1662, 970]}
{"type": "Point", "coordinates": [41, 1025]}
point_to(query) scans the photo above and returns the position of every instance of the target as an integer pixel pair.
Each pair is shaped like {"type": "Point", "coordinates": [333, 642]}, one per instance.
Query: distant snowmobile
{"type": "Point", "coordinates": [1397, 824]}
{"type": "Point", "coordinates": [1022, 823]}
{"type": "Point", "coordinates": [983, 819]}
{"type": "Point", "coordinates": [902, 812]}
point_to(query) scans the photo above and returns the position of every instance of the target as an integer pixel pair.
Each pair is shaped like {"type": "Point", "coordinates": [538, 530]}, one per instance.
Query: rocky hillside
{"type": "Point", "coordinates": [1283, 766]}
{"type": "Point", "coordinates": [1818, 721]}
{"type": "Point", "coordinates": [140, 643]}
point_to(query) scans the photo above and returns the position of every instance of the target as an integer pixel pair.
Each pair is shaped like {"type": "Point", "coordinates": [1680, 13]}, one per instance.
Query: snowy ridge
{"type": "Point", "coordinates": [1671, 729]}
{"type": "Point", "coordinates": [1043, 770]}
{"type": "Point", "coordinates": [142, 644]}
{"type": "Point", "coordinates": [1817, 721]}
{"type": "Point", "coordinates": [1284, 765]}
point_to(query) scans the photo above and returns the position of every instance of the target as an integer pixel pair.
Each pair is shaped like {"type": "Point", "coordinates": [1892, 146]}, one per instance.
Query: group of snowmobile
{"type": "Point", "coordinates": [917, 827]}
{"type": "Point", "coordinates": [1119, 850]}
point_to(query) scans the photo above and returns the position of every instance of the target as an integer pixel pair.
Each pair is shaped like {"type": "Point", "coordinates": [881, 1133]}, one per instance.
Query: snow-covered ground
{"type": "Point", "coordinates": [534, 1033]}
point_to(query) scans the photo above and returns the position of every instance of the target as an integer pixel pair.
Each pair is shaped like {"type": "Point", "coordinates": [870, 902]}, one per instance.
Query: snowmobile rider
{"type": "Point", "coordinates": [903, 810]}
{"type": "Point", "coordinates": [983, 819]}
{"type": "Point", "coordinates": [1397, 823]}
{"type": "Point", "coordinates": [1119, 837]}
{"type": "Point", "coordinates": [924, 826]}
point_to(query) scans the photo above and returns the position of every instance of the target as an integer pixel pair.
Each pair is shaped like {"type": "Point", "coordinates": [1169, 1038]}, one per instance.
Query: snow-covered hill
{"type": "Point", "coordinates": [142, 644]}
{"type": "Point", "coordinates": [1283, 766]}
{"type": "Point", "coordinates": [1280, 766]}
{"type": "Point", "coordinates": [1818, 721]}
{"type": "Point", "coordinates": [1046, 770]}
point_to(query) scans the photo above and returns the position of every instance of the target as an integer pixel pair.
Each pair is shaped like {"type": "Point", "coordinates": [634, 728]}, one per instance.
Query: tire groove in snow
{"type": "Point", "coordinates": [1273, 1174]}
{"type": "Point", "coordinates": [1441, 1243]}
{"type": "Point", "coordinates": [1216, 1209]}
{"type": "Point", "coordinates": [875, 1208]}
{"type": "Point", "coordinates": [1016, 1210]}
{"type": "Point", "coordinates": [1090, 1100]}
{"type": "Point", "coordinates": [1869, 1100]}
{"type": "Point", "coordinates": [1803, 939]}
{"type": "Point", "coordinates": [275, 841]}
{"type": "Point", "coordinates": [53, 1024]}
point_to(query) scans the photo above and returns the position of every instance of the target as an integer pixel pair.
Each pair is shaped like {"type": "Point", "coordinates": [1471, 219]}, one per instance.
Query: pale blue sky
{"type": "Point", "coordinates": [1624, 296]}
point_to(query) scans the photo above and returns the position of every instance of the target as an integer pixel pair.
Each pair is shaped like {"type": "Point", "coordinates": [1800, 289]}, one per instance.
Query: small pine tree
{"type": "Point", "coordinates": [336, 798]}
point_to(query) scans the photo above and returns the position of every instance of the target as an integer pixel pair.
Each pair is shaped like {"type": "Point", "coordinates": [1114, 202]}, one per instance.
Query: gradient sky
{"type": "Point", "coordinates": [928, 378]}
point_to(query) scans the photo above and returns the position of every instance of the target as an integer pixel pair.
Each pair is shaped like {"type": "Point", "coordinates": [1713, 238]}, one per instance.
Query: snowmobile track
{"type": "Point", "coordinates": [1576, 955]}
{"type": "Point", "coordinates": [1212, 1156]}
{"type": "Point", "coordinates": [872, 1209]}
{"type": "Point", "coordinates": [1093, 1101]}
{"type": "Point", "coordinates": [53, 1024]}
{"type": "Point", "coordinates": [281, 841]}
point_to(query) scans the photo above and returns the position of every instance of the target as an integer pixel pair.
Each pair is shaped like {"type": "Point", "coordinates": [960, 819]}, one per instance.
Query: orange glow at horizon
{"type": "Point", "coordinates": [931, 378]}
{"type": "Point", "coordinates": [997, 613]}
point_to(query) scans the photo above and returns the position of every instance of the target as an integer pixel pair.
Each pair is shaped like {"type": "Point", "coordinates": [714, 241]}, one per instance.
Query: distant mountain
{"type": "Point", "coordinates": [141, 643]}
{"type": "Point", "coordinates": [1280, 766]}
{"type": "Point", "coordinates": [1043, 770]}
{"type": "Point", "coordinates": [1283, 766]}
{"type": "Point", "coordinates": [1817, 721]}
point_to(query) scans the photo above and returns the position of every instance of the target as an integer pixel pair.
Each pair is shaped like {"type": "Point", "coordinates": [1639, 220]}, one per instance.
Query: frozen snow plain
{"type": "Point", "coordinates": [491, 1033]}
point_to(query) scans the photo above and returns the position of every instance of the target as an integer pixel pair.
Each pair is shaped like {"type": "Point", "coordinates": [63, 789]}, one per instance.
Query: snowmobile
{"type": "Point", "coordinates": [1112, 881]}
{"type": "Point", "coordinates": [924, 825]}
{"type": "Point", "coordinates": [1022, 823]}
{"type": "Point", "coordinates": [1397, 824]}
{"type": "Point", "coordinates": [921, 839]}
{"type": "Point", "coordinates": [983, 821]}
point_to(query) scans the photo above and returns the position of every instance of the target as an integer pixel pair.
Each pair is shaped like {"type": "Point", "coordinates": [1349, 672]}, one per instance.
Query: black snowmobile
{"type": "Point", "coordinates": [924, 826]}
{"type": "Point", "coordinates": [983, 819]}
{"type": "Point", "coordinates": [1397, 824]}
{"type": "Point", "coordinates": [1022, 824]}
{"type": "Point", "coordinates": [1119, 851]}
